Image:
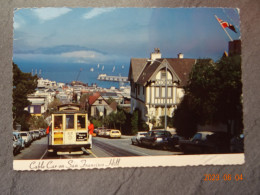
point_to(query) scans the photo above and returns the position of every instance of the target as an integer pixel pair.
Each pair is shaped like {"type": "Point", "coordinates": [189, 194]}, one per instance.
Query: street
{"type": "Point", "coordinates": [102, 147]}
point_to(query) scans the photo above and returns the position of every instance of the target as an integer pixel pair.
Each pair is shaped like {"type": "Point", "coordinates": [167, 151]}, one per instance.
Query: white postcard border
{"type": "Point", "coordinates": [128, 162]}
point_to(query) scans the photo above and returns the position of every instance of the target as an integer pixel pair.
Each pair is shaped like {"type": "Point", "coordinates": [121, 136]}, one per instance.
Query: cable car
{"type": "Point", "coordinates": [69, 131]}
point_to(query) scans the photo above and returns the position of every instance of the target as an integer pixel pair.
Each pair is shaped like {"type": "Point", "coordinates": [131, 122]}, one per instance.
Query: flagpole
{"type": "Point", "coordinates": [224, 29]}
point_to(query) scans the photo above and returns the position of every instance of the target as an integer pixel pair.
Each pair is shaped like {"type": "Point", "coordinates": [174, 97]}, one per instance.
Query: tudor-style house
{"type": "Point", "coordinates": [148, 84]}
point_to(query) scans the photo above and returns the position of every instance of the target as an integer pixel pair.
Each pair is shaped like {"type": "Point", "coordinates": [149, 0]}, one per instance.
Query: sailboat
{"type": "Point", "coordinates": [102, 67]}
{"type": "Point", "coordinates": [123, 66]}
{"type": "Point", "coordinates": [92, 69]}
{"type": "Point", "coordinates": [98, 66]}
{"type": "Point", "coordinates": [113, 69]}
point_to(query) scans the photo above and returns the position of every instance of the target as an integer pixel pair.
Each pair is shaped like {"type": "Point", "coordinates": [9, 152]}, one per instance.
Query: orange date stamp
{"type": "Point", "coordinates": [225, 177]}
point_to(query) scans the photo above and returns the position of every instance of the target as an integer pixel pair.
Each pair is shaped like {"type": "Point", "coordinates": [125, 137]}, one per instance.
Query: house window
{"type": "Point", "coordinates": [169, 92]}
{"type": "Point", "coordinates": [138, 89]}
{"type": "Point", "coordinates": [143, 90]}
{"type": "Point", "coordinates": [100, 101]}
{"type": "Point", "coordinates": [31, 109]}
{"type": "Point", "coordinates": [163, 92]}
{"type": "Point", "coordinates": [163, 74]}
{"type": "Point", "coordinates": [157, 92]}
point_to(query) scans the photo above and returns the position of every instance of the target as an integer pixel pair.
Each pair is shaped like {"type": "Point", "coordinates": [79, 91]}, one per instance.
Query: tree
{"type": "Point", "coordinates": [53, 106]}
{"type": "Point", "coordinates": [23, 85]}
{"type": "Point", "coordinates": [212, 96]}
{"type": "Point", "coordinates": [134, 122]}
{"type": "Point", "coordinates": [37, 122]}
{"type": "Point", "coordinates": [120, 116]}
{"type": "Point", "coordinates": [185, 119]}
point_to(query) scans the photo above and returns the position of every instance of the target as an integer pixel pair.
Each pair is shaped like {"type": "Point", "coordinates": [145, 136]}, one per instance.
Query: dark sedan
{"type": "Point", "coordinates": [157, 138]}
{"type": "Point", "coordinates": [206, 143]}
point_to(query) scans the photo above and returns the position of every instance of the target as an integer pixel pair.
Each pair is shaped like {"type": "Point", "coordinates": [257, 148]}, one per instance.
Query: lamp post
{"type": "Point", "coordinates": [166, 92]}
{"type": "Point", "coordinates": [166, 97]}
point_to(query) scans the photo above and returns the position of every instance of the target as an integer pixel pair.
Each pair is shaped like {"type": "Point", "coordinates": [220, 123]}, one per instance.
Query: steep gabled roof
{"type": "Point", "coordinates": [148, 71]}
{"type": "Point", "coordinates": [93, 98]}
{"type": "Point", "coordinates": [181, 67]}
{"type": "Point", "coordinates": [136, 67]}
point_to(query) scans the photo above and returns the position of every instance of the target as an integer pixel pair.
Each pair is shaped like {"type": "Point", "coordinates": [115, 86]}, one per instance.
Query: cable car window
{"type": "Point", "coordinates": [69, 121]}
{"type": "Point", "coordinates": [57, 122]}
{"type": "Point", "coordinates": [81, 122]}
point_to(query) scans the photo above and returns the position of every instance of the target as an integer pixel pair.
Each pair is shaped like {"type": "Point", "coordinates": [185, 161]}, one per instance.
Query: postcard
{"type": "Point", "coordinates": [126, 87]}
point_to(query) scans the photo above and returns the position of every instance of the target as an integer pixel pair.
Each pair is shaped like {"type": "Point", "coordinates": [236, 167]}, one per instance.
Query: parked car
{"type": "Point", "coordinates": [157, 138]}
{"type": "Point", "coordinates": [176, 139]}
{"type": "Point", "coordinates": [17, 146]}
{"type": "Point", "coordinates": [41, 133]}
{"type": "Point", "coordinates": [26, 137]}
{"type": "Point", "coordinates": [32, 134]}
{"type": "Point", "coordinates": [114, 133]}
{"type": "Point", "coordinates": [99, 131]}
{"type": "Point", "coordinates": [107, 133]}
{"type": "Point", "coordinates": [206, 142]}
{"type": "Point", "coordinates": [37, 134]}
{"type": "Point", "coordinates": [19, 138]}
{"type": "Point", "coordinates": [136, 138]}
{"type": "Point", "coordinates": [237, 144]}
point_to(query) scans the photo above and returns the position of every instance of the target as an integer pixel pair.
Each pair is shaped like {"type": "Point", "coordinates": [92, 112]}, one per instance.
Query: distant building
{"type": "Point", "coordinates": [38, 105]}
{"type": "Point", "coordinates": [148, 87]}
{"type": "Point", "coordinates": [98, 106]}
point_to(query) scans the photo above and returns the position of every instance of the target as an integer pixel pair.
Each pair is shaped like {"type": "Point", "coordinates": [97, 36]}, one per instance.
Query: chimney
{"type": "Point", "coordinates": [180, 55]}
{"type": "Point", "coordinates": [156, 54]}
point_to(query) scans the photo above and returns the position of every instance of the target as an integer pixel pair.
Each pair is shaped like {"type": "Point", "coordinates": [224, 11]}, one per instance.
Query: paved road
{"type": "Point", "coordinates": [102, 147]}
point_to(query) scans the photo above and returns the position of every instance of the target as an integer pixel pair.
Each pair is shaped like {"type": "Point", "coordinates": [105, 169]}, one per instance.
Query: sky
{"type": "Point", "coordinates": [115, 35]}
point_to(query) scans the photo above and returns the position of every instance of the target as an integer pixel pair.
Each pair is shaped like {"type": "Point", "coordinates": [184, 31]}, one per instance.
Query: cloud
{"type": "Point", "coordinates": [59, 49]}
{"type": "Point", "coordinates": [50, 13]}
{"type": "Point", "coordinates": [16, 25]}
{"type": "Point", "coordinates": [80, 54]}
{"type": "Point", "coordinates": [18, 21]}
{"type": "Point", "coordinates": [96, 12]}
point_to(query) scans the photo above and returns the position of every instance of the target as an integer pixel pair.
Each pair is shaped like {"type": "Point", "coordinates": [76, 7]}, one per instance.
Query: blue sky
{"type": "Point", "coordinates": [115, 35]}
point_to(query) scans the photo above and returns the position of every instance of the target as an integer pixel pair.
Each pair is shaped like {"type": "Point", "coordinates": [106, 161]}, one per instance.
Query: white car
{"type": "Point", "coordinates": [114, 133]}
{"type": "Point", "coordinates": [136, 139]}
{"type": "Point", "coordinates": [26, 137]}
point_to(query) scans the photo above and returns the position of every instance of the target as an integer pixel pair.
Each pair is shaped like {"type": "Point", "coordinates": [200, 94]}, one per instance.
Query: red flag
{"type": "Point", "coordinates": [227, 25]}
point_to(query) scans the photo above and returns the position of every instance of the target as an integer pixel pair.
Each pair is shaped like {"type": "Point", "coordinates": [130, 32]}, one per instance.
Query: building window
{"type": "Point", "coordinates": [31, 109]}
{"type": "Point", "coordinates": [163, 74]}
{"type": "Point", "coordinates": [100, 101]}
{"type": "Point", "coordinates": [163, 92]}
{"type": "Point", "coordinates": [138, 89]}
{"type": "Point", "coordinates": [169, 92]}
{"type": "Point", "coordinates": [143, 90]}
{"type": "Point", "coordinates": [157, 92]}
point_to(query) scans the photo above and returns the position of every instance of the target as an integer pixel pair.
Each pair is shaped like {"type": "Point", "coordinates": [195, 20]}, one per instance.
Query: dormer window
{"type": "Point", "coordinates": [163, 74]}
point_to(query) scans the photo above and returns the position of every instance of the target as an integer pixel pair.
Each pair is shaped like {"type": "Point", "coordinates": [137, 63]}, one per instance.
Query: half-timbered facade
{"type": "Point", "coordinates": [155, 81]}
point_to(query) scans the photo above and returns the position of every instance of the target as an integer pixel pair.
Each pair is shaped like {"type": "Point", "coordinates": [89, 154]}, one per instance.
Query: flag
{"type": "Point", "coordinates": [227, 25]}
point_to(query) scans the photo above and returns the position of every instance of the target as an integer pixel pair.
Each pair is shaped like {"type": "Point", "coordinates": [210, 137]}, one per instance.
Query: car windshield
{"type": "Point", "coordinates": [143, 133]}
{"type": "Point", "coordinates": [197, 136]}
{"type": "Point", "coordinates": [23, 134]}
{"type": "Point", "coordinates": [115, 131]}
{"type": "Point", "coordinates": [161, 133]}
